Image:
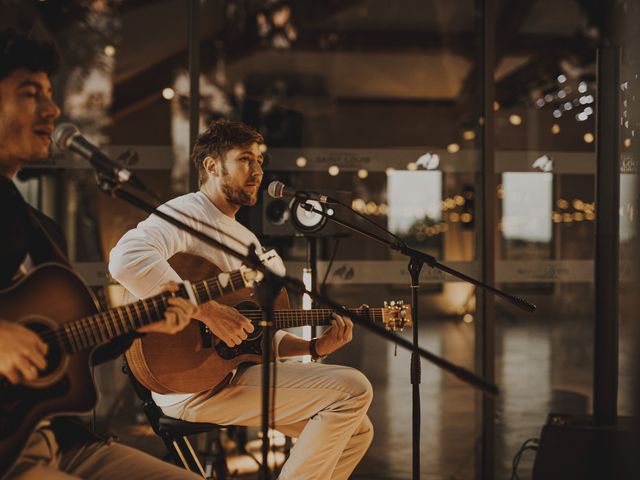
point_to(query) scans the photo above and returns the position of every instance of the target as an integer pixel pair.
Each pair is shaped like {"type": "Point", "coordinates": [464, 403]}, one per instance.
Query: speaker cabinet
{"type": "Point", "coordinates": [573, 447]}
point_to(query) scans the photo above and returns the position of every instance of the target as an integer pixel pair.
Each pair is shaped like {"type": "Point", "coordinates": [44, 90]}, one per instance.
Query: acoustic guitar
{"type": "Point", "coordinates": [195, 360]}
{"type": "Point", "coordinates": [55, 303]}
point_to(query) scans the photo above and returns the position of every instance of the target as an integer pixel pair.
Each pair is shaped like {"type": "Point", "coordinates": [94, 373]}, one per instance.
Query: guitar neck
{"type": "Point", "coordinates": [315, 317]}
{"type": "Point", "coordinates": [88, 332]}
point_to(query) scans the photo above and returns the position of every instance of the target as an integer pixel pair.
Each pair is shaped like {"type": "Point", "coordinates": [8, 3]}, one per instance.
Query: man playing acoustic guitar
{"type": "Point", "coordinates": [324, 406]}
{"type": "Point", "coordinates": [63, 448]}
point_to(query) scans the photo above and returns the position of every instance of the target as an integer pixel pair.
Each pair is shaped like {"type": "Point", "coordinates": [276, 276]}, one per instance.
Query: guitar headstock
{"type": "Point", "coordinates": [396, 315]}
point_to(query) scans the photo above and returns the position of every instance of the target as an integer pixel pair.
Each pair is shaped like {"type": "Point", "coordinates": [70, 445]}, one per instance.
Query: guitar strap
{"type": "Point", "coordinates": [43, 247]}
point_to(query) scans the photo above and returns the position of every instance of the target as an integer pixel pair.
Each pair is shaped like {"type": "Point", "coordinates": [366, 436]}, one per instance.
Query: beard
{"type": "Point", "coordinates": [237, 196]}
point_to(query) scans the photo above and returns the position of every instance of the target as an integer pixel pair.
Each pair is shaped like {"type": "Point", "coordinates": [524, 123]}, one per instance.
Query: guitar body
{"type": "Point", "coordinates": [52, 294]}
{"type": "Point", "coordinates": [194, 360]}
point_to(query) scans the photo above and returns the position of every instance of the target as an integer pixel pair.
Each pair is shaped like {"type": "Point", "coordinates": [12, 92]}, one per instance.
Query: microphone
{"type": "Point", "coordinates": [67, 137]}
{"type": "Point", "coordinates": [278, 189]}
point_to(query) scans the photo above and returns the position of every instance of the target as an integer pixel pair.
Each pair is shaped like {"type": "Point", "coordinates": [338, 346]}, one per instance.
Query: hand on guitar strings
{"type": "Point", "coordinates": [336, 336]}
{"type": "Point", "coordinates": [225, 322]}
{"type": "Point", "coordinates": [22, 353]}
{"type": "Point", "coordinates": [176, 317]}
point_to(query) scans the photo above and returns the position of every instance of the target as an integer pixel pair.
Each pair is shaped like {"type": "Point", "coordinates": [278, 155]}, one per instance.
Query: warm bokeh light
{"type": "Point", "coordinates": [168, 93]}
{"type": "Point", "coordinates": [515, 120]}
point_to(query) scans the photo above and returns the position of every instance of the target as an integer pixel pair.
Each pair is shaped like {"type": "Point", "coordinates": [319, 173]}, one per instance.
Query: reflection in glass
{"type": "Point", "coordinates": [527, 206]}
{"type": "Point", "coordinates": [414, 200]}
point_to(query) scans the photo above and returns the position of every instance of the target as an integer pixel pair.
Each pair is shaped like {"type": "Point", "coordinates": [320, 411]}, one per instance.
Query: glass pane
{"type": "Point", "coordinates": [545, 131]}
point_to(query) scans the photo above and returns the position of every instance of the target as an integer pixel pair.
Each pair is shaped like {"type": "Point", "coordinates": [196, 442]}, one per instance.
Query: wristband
{"type": "Point", "coordinates": [314, 353]}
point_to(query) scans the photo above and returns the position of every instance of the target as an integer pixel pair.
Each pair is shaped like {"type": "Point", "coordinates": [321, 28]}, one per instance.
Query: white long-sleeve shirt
{"type": "Point", "coordinates": [140, 259]}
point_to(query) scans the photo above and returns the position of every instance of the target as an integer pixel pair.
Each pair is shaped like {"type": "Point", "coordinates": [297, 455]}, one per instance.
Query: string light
{"type": "Point", "coordinates": [555, 129]}
{"type": "Point", "coordinates": [362, 173]}
{"type": "Point", "coordinates": [301, 162]}
{"type": "Point", "coordinates": [515, 120]}
{"type": "Point", "coordinates": [588, 137]}
{"type": "Point", "coordinates": [469, 134]}
{"type": "Point", "coordinates": [453, 148]}
{"type": "Point", "coordinates": [334, 170]}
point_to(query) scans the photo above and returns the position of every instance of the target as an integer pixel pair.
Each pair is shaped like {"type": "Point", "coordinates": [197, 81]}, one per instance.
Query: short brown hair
{"type": "Point", "coordinates": [221, 136]}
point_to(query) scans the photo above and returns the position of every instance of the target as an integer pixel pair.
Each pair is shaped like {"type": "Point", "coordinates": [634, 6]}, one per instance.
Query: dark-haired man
{"type": "Point", "coordinates": [324, 406]}
{"type": "Point", "coordinates": [63, 448]}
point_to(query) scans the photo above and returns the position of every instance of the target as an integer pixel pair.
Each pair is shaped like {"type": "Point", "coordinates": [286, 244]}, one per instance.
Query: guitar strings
{"type": "Point", "coordinates": [254, 315]}
{"type": "Point", "coordinates": [292, 318]}
{"type": "Point", "coordinates": [96, 325]}
{"type": "Point", "coordinates": [116, 317]}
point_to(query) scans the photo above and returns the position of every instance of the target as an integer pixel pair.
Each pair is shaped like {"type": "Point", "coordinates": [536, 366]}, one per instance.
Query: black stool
{"type": "Point", "coordinates": [174, 432]}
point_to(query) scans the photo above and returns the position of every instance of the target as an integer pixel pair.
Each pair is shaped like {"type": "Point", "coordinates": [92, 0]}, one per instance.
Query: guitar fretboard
{"type": "Point", "coordinates": [315, 317]}
{"type": "Point", "coordinates": [87, 332]}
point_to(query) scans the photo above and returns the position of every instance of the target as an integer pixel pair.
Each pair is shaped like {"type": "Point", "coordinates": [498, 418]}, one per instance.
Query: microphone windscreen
{"type": "Point", "coordinates": [275, 189]}
{"type": "Point", "coordinates": [63, 134]}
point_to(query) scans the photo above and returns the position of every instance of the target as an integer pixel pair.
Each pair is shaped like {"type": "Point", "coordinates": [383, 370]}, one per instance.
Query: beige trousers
{"type": "Point", "coordinates": [324, 406]}
{"type": "Point", "coordinates": [42, 459]}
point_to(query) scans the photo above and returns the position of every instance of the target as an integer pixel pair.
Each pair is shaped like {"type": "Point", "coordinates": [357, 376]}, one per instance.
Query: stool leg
{"type": "Point", "coordinates": [195, 458]}
{"type": "Point", "coordinates": [220, 469]}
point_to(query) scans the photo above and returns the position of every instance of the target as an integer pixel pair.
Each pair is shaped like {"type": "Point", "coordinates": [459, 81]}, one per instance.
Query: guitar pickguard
{"type": "Point", "coordinates": [251, 346]}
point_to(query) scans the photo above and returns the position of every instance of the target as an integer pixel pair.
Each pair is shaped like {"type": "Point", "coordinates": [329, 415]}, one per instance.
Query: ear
{"type": "Point", "coordinates": [210, 165]}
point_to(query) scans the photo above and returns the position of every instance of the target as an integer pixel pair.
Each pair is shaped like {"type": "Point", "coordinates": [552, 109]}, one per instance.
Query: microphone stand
{"type": "Point", "coordinates": [417, 260]}
{"type": "Point", "coordinates": [265, 294]}
{"type": "Point", "coordinates": [109, 184]}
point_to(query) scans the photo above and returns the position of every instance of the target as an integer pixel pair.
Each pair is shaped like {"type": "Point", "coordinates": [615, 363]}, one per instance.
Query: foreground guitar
{"type": "Point", "coordinates": [194, 360]}
{"type": "Point", "coordinates": [56, 304]}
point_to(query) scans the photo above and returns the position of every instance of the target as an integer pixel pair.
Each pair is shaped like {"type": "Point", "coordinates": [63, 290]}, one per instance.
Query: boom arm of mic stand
{"type": "Point", "coordinates": [425, 258]}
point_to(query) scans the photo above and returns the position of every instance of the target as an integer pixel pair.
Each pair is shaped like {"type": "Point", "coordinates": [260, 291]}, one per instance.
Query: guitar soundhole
{"type": "Point", "coordinates": [251, 346]}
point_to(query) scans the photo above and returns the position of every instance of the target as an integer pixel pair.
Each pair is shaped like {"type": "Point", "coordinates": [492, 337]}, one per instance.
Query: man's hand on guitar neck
{"type": "Point", "coordinates": [225, 322]}
{"type": "Point", "coordinates": [176, 317]}
{"type": "Point", "coordinates": [22, 353]}
{"type": "Point", "coordinates": [336, 336]}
